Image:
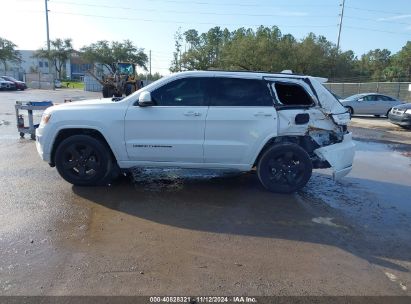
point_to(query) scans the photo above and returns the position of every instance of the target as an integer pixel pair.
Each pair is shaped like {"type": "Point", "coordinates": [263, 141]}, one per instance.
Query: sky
{"type": "Point", "coordinates": [152, 24]}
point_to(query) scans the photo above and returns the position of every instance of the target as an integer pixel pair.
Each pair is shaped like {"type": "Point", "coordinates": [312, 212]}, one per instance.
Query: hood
{"type": "Point", "coordinates": [328, 102]}
{"type": "Point", "coordinates": [404, 106]}
{"type": "Point", "coordinates": [6, 81]}
{"type": "Point", "coordinates": [79, 104]}
{"type": "Point", "coordinates": [87, 102]}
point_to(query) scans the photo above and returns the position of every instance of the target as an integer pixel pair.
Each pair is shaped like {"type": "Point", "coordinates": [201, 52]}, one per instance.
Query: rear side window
{"type": "Point", "coordinates": [384, 98]}
{"type": "Point", "coordinates": [182, 92]}
{"type": "Point", "coordinates": [238, 92]}
{"type": "Point", "coordinates": [290, 94]}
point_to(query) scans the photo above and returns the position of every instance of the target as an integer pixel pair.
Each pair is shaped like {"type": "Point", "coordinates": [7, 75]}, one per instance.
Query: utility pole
{"type": "Point", "coordinates": [340, 25]}
{"type": "Point", "coordinates": [48, 43]}
{"type": "Point", "coordinates": [150, 64]}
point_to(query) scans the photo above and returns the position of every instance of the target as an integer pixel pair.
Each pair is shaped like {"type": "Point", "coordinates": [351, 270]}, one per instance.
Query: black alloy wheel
{"type": "Point", "coordinates": [83, 160]}
{"type": "Point", "coordinates": [284, 168]}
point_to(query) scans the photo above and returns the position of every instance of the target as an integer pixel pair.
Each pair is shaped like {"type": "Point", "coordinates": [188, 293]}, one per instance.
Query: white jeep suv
{"type": "Point", "coordinates": [284, 125]}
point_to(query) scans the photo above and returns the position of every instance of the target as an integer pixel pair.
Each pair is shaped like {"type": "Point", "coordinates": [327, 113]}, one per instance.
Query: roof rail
{"type": "Point", "coordinates": [287, 72]}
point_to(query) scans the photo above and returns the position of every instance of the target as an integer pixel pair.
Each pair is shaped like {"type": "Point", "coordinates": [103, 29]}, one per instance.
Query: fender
{"type": "Point", "coordinates": [118, 153]}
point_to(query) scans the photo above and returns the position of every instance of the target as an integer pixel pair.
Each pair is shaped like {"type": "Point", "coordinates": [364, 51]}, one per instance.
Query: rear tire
{"type": "Point", "coordinates": [284, 168]}
{"type": "Point", "coordinates": [128, 89]}
{"type": "Point", "coordinates": [107, 92]}
{"type": "Point", "coordinates": [83, 160]}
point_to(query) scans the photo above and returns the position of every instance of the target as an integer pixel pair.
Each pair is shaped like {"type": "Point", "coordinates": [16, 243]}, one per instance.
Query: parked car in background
{"type": "Point", "coordinates": [401, 115]}
{"type": "Point", "coordinates": [57, 83]}
{"type": "Point", "coordinates": [370, 104]}
{"type": "Point", "coordinates": [6, 85]}
{"type": "Point", "coordinates": [19, 85]}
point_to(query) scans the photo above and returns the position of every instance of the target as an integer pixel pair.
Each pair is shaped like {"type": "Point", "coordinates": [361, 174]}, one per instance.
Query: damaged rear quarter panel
{"type": "Point", "coordinates": [335, 144]}
{"type": "Point", "coordinates": [319, 127]}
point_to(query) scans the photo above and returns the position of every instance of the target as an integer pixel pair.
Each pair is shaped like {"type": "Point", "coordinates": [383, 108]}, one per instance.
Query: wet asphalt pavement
{"type": "Point", "coordinates": [190, 232]}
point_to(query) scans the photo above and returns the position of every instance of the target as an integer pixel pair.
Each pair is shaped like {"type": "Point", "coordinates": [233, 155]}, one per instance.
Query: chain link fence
{"type": "Point", "coordinates": [399, 90]}
{"type": "Point", "coordinates": [39, 81]}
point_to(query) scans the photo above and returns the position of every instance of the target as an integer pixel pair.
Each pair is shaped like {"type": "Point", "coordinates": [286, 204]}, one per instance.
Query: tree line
{"type": "Point", "coordinates": [267, 49]}
{"type": "Point", "coordinates": [263, 49]}
{"type": "Point", "coordinates": [61, 49]}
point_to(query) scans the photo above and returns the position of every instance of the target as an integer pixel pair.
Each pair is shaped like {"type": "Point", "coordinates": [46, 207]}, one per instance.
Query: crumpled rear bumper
{"type": "Point", "coordinates": [340, 156]}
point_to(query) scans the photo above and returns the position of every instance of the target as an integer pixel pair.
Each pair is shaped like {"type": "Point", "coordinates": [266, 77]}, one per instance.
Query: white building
{"type": "Point", "coordinates": [28, 64]}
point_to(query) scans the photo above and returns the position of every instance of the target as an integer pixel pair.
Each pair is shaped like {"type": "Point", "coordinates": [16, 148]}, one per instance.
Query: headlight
{"type": "Point", "coordinates": [408, 111]}
{"type": "Point", "coordinates": [45, 118]}
{"type": "Point", "coordinates": [341, 119]}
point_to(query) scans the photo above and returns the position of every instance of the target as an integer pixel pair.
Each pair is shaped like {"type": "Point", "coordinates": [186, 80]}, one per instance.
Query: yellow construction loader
{"type": "Point", "coordinates": [123, 82]}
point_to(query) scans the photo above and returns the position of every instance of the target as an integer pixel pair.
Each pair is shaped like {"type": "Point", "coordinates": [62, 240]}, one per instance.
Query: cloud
{"type": "Point", "coordinates": [395, 17]}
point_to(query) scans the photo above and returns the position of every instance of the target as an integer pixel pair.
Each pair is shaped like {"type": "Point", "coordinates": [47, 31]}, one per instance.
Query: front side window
{"type": "Point", "coordinates": [370, 98]}
{"type": "Point", "coordinates": [182, 92]}
{"type": "Point", "coordinates": [355, 97]}
{"type": "Point", "coordinates": [236, 92]}
{"type": "Point", "coordinates": [291, 94]}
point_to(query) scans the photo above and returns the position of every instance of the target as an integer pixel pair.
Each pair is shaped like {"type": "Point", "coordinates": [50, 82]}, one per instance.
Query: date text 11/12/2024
{"type": "Point", "coordinates": [203, 299]}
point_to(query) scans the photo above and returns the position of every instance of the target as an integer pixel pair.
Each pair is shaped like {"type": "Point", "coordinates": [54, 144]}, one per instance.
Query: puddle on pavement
{"type": "Point", "coordinates": [154, 179]}
{"type": "Point", "coordinates": [380, 181]}
{"type": "Point", "coordinates": [376, 191]}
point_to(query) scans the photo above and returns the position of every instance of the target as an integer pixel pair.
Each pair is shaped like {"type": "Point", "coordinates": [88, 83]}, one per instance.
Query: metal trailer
{"type": "Point", "coordinates": [29, 107]}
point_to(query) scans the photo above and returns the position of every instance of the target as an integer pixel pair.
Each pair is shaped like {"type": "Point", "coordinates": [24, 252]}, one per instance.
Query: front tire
{"type": "Point", "coordinates": [83, 160]}
{"type": "Point", "coordinates": [128, 89]}
{"type": "Point", "coordinates": [108, 92]}
{"type": "Point", "coordinates": [284, 168]}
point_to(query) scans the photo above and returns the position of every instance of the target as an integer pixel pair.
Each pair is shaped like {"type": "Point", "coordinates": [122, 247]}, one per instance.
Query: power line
{"type": "Point", "coordinates": [213, 24]}
{"type": "Point", "coordinates": [222, 4]}
{"type": "Point", "coordinates": [375, 30]}
{"type": "Point", "coordinates": [370, 19]}
{"type": "Point", "coordinates": [182, 22]}
{"type": "Point", "coordinates": [285, 14]}
{"type": "Point", "coordinates": [375, 11]}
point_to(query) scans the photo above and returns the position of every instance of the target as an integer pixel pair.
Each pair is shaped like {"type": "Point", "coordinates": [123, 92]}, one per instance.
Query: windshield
{"type": "Point", "coordinates": [126, 68]}
{"type": "Point", "coordinates": [8, 78]}
{"type": "Point", "coordinates": [146, 88]}
{"type": "Point", "coordinates": [354, 97]}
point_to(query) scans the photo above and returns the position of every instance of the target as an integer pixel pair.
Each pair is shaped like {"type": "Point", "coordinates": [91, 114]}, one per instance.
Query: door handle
{"type": "Point", "coordinates": [259, 114]}
{"type": "Point", "coordinates": [192, 113]}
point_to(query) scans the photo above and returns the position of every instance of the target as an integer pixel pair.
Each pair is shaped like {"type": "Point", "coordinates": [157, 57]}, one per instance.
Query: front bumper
{"type": "Point", "coordinates": [402, 120]}
{"type": "Point", "coordinates": [40, 144]}
{"type": "Point", "coordinates": [340, 156]}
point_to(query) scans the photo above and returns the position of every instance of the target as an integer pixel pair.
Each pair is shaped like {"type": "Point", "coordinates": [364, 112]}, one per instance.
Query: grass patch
{"type": "Point", "coordinates": [72, 85]}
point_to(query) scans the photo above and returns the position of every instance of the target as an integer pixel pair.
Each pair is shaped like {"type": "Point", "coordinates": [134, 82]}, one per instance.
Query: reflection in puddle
{"type": "Point", "coordinates": [154, 179]}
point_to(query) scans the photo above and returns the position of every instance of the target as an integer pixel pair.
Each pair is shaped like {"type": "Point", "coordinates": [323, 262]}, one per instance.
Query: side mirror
{"type": "Point", "coordinates": [361, 99]}
{"type": "Point", "coordinates": [144, 100]}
